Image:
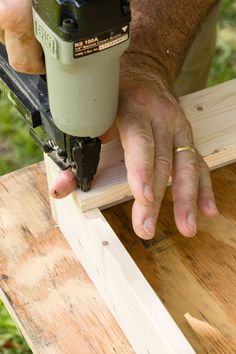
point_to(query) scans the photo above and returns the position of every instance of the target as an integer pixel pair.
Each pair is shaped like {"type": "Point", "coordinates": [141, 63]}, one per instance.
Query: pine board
{"type": "Point", "coordinates": [43, 285]}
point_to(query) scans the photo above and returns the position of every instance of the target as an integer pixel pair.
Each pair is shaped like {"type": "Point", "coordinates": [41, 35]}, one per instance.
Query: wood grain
{"type": "Point", "coordinates": [195, 275]}
{"type": "Point", "coordinates": [211, 338]}
{"type": "Point", "coordinates": [43, 285]}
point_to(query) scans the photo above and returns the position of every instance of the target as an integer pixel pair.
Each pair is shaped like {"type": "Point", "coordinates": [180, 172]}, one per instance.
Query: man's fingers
{"type": "Point", "coordinates": [185, 191]}
{"type": "Point", "coordinates": [144, 217]}
{"type": "Point", "coordinates": [138, 143]}
{"type": "Point", "coordinates": [162, 161]}
{"type": "Point", "coordinates": [64, 184]}
{"type": "Point", "coordinates": [24, 52]}
{"type": "Point", "coordinates": [206, 199]}
{"type": "Point", "coordinates": [185, 180]}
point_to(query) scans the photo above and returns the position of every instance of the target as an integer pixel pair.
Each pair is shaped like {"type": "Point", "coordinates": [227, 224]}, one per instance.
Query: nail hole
{"type": "Point", "coordinates": [199, 108]}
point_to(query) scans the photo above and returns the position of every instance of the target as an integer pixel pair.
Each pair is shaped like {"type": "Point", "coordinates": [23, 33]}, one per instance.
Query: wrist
{"type": "Point", "coordinates": [141, 71]}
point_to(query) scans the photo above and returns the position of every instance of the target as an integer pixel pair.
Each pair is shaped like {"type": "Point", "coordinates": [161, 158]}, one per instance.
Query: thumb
{"type": "Point", "coordinates": [109, 135]}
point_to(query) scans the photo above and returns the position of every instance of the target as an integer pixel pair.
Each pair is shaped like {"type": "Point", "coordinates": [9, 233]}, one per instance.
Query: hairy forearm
{"type": "Point", "coordinates": [162, 32]}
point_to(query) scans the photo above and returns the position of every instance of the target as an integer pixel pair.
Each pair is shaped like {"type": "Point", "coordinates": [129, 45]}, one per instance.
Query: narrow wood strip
{"type": "Point", "coordinates": [111, 186]}
{"type": "Point", "coordinates": [221, 158]}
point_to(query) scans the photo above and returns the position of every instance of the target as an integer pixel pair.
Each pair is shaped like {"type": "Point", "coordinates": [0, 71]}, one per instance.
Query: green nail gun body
{"type": "Point", "coordinates": [82, 41]}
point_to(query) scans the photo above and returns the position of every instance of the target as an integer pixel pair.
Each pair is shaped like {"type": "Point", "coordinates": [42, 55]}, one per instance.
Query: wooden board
{"type": "Point", "coordinates": [211, 113]}
{"type": "Point", "coordinates": [130, 298]}
{"type": "Point", "coordinates": [44, 287]}
{"type": "Point", "coordinates": [191, 275]}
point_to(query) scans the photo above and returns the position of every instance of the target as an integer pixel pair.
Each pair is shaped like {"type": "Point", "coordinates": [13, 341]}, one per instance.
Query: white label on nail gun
{"type": "Point", "coordinates": [114, 42]}
{"type": "Point", "coordinates": [98, 43]}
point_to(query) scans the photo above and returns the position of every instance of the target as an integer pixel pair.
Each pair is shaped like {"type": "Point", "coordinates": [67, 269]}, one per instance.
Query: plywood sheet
{"type": "Point", "coordinates": [196, 275]}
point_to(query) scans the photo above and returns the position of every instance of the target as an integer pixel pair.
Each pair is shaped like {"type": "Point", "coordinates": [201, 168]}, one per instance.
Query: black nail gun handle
{"type": "Point", "coordinates": [23, 91]}
{"type": "Point", "coordinates": [28, 94]}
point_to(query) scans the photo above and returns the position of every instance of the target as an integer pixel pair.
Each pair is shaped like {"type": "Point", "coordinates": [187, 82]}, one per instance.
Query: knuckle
{"type": "Point", "coordinates": [24, 68]}
{"type": "Point", "coordinates": [158, 200]}
{"type": "Point", "coordinates": [161, 176]}
{"type": "Point", "coordinates": [185, 126]}
{"type": "Point", "coordinates": [10, 14]}
{"type": "Point", "coordinates": [192, 169]}
{"type": "Point", "coordinates": [184, 130]}
{"type": "Point", "coordinates": [163, 168]}
{"type": "Point", "coordinates": [4, 10]}
{"type": "Point", "coordinates": [169, 108]}
{"type": "Point", "coordinates": [164, 163]}
{"type": "Point", "coordinates": [203, 165]}
{"type": "Point", "coordinates": [16, 16]}
{"type": "Point", "coordinates": [140, 171]}
{"type": "Point", "coordinates": [189, 201]}
{"type": "Point", "coordinates": [17, 66]}
{"type": "Point", "coordinates": [144, 140]}
{"type": "Point", "coordinates": [25, 61]}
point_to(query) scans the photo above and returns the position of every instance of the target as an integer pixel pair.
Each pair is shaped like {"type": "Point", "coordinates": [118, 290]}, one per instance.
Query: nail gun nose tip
{"type": "Point", "coordinates": [85, 184]}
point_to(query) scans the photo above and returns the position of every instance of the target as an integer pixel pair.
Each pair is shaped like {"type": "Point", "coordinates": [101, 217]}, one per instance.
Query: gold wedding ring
{"type": "Point", "coordinates": [185, 148]}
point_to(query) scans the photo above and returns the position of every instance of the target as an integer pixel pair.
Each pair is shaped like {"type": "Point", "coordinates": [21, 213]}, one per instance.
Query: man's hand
{"type": "Point", "coordinates": [151, 122]}
{"type": "Point", "coordinates": [151, 126]}
{"type": "Point", "coordinates": [16, 31]}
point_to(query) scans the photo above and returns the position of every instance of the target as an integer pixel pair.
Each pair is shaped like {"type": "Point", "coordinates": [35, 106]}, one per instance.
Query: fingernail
{"type": "Point", "coordinates": [54, 193]}
{"type": "Point", "coordinates": [212, 205]}
{"type": "Point", "coordinates": [191, 222]}
{"type": "Point", "coordinates": [148, 192]}
{"type": "Point", "coordinates": [149, 225]}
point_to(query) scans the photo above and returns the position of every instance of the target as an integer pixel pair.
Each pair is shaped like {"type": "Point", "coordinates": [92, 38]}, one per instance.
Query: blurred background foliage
{"type": "Point", "coordinates": [17, 149]}
{"type": "Point", "coordinates": [11, 341]}
{"type": "Point", "coordinates": [224, 63]}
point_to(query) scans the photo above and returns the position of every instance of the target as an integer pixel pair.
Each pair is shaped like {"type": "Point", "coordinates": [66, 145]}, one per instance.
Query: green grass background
{"type": "Point", "coordinates": [17, 149]}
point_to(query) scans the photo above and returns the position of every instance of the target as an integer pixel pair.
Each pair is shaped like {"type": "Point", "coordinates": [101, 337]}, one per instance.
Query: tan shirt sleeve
{"type": "Point", "coordinates": [162, 32]}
